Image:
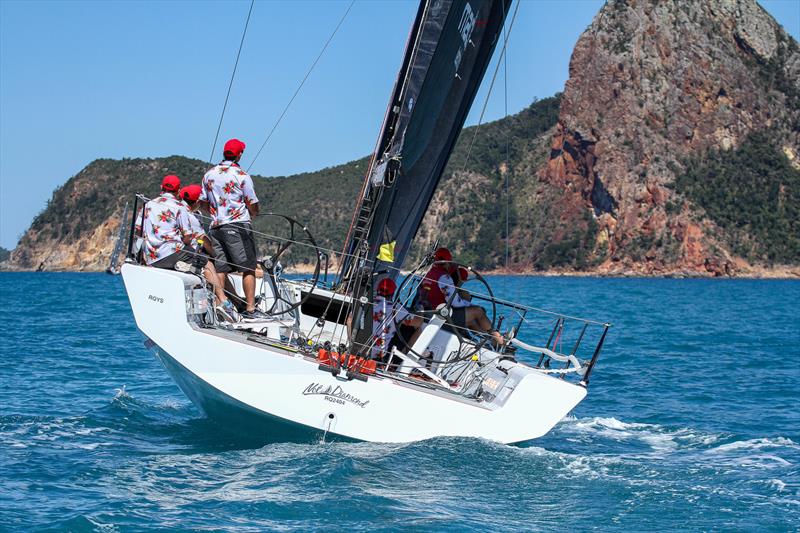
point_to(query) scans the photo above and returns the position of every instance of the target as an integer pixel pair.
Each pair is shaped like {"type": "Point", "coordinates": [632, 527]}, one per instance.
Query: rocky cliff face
{"type": "Point", "coordinates": [652, 85]}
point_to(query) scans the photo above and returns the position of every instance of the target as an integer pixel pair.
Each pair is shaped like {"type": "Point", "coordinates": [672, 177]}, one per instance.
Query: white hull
{"type": "Point", "coordinates": [275, 390]}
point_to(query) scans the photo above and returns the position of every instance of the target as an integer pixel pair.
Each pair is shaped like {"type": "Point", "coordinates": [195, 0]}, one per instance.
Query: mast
{"type": "Point", "coordinates": [449, 47]}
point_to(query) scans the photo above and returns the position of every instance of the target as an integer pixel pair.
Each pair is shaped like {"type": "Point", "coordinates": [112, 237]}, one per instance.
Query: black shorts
{"type": "Point", "coordinates": [188, 255]}
{"type": "Point", "coordinates": [459, 316]}
{"type": "Point", "coordinates": [234, 247]}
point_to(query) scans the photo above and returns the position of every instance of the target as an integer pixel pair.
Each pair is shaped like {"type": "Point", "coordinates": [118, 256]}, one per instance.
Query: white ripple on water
{"type": "Point", "coordinates": [681, 444]}
{"type": "Point", "coordinates": [59, 433]}
{"type": "Point", "coordinates": [659, 439]}
{"type": "Point", "coordinates": [758, 453]}
{"type": "Point", "coordinates": [757, 444]}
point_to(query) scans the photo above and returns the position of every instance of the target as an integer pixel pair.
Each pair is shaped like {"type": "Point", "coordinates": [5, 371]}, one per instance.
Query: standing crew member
{"type": "Point", "coordinates": [167, 230]}
{"type": "Point", "coordinates": [230, 199]}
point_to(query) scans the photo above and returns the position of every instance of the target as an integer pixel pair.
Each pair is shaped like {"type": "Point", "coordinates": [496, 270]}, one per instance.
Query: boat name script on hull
{"type": "Point", "coordinates": [333, 394]}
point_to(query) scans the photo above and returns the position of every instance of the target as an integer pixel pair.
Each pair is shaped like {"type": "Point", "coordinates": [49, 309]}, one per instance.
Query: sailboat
{"type": "Point", "coordinates": [113, 267]}
{"type": "Point", "coordinates": [305, 373]}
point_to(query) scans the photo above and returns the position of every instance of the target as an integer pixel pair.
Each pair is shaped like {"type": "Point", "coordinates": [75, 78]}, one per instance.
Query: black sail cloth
{"type": "Point", "coordinates": [448, 52]}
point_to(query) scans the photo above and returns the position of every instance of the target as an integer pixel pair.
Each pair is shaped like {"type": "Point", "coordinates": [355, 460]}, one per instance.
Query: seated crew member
{"type": "Point", "coordinates": [439, 287]}
{"type": "Point", "coordinates": [459, 277]}
{"type": "Point", "coordinates": [165, 227]}
{"type": "Point", "coordinates": [228, 196]}
{"type": "Point", "coordinates": [201, 244]}
{"type": "Point", "coordinates": [385, 318]}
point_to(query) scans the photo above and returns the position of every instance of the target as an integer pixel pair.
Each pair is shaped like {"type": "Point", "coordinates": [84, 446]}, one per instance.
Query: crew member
{"type": "Point", "coordinates": [204, 250]}
{"type": "Point", "coordinates": [228, 196]}
{"type": "Point", "coordinates": [440, 287]}
{"type": "Point", "coordinates": [385, 318]}
{"type": "Point", "coordinates": [164, 225]}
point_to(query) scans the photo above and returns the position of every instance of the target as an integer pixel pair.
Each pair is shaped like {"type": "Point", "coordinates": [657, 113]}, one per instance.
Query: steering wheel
{"type": "Point", "coordinates": [295, 233]}
{"type": "Point", "coordinates": [446, 312]}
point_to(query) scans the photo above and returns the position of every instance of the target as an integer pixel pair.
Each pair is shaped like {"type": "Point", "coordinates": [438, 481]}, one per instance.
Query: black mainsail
{"type": "Point", "coordinates": [448, 51]}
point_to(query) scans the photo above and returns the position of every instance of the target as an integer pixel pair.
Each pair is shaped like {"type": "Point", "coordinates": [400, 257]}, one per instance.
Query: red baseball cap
{"type": "Point", "coordinates": [190, 193]}
{"type": "Point", "coordinates": [234, 147]}
{"type": "Point", "coordinates": [171, 183]}
{"type": "Point", "coordinates": [442, 254]}
{"type": "Point", "coordinates": [386, 287]}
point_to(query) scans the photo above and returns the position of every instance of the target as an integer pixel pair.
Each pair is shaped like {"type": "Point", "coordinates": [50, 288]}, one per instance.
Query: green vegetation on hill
{"type": "Point", "coordinates": [4, 254]}
{"type": "Point", "coordinates": [102, 188]}
{"type": "Point", "coordinates": [753, 193]}
{"type": "Point", "coordinates": [325, 199]}
{"type": "Point", "coordinates": [508, 139]}
{"type": "Point", "coordinates": [475, 226]}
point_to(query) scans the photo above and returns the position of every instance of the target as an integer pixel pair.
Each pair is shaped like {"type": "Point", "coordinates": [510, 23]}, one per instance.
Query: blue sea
{"type": "Point", "coordinates": [692, 423]}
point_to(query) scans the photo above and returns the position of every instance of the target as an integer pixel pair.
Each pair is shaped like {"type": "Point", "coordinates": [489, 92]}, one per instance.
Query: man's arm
{"type": "Point", "coordinates": [205, 207]}
{"type": "Point", "coordinates": [137, 228]}
{"type": "Point", "coordinates": [250, 198]}
{"type": "Point", "coordinates": [205, 242]}
{"type": "Point", "coordinates": [184, 225]}
{"type": "Point", "coordinates": [406, 318]}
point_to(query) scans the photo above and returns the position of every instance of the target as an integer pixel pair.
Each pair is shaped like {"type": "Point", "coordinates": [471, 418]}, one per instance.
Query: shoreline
{"type": "Point", "coordinates": [785, 273]}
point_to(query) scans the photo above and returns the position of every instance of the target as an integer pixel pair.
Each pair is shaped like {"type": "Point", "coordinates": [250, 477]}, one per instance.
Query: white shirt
{"type": "Point", "coordinates": [447, 287]}
{"type": "Point", "coordinates": [228, 189]}
{"type": "Point", "coordinates": [166, 222]}
{"type": "Point", "coordinates": [385, 317]}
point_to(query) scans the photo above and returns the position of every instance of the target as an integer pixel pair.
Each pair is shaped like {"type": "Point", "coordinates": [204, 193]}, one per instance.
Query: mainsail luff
{"type": "Point", "coordinates": [447, 55]}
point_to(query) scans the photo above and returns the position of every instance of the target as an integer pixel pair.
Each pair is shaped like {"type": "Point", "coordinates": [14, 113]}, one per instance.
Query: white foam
{"type": "Point", "coordinates": [778, 484]}
{"type": "Point", "coordinates": [756, 444]}
{"type": "Point", "coordinates": [122, 394]}
{"type": "Point", "coordinates": [658, 438]}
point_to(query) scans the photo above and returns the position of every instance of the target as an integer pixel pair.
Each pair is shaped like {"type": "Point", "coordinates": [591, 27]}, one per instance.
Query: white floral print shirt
{"type": "Point", "coordinates": [228, 189]}
{"type": "Point", "coordinates": [166, 222]}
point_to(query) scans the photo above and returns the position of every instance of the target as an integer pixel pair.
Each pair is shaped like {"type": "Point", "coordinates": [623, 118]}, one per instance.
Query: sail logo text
{"type": "Point", "coordinates": [333, 394]}
{"type": "Point", "coordinates": [465, 27]}
{"type": "Point", "coordinates": [156, 299]}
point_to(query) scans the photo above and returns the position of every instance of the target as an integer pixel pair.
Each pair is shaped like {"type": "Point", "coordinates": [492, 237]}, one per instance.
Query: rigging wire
{"type": "Point", "coordinates": [508, 135]}
{"type": "Point", "coordinates": [491, 86]}
{"type": "Point", "coordinates": [502, 60]}
{"type": "Point", "coordinates": [230, 84]}
{"type": "Point", "coordinates": [297, 91]}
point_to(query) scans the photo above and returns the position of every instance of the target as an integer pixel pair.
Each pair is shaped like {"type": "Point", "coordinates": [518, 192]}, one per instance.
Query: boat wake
{"type": "Point", "coordinates": [636, 439]}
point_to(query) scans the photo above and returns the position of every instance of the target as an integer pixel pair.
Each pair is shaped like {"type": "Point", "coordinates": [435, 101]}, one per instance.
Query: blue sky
{"type": "Point", "coordinates": [84, 80]}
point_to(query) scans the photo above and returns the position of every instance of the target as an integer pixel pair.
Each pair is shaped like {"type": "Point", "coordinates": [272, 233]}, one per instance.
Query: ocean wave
{"type": "Point", "coordinates": [20, 431]}
{"type": "Point", "coordinates": [756, 444]}
{"type": "Point", "coordinates": [657, 438]}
